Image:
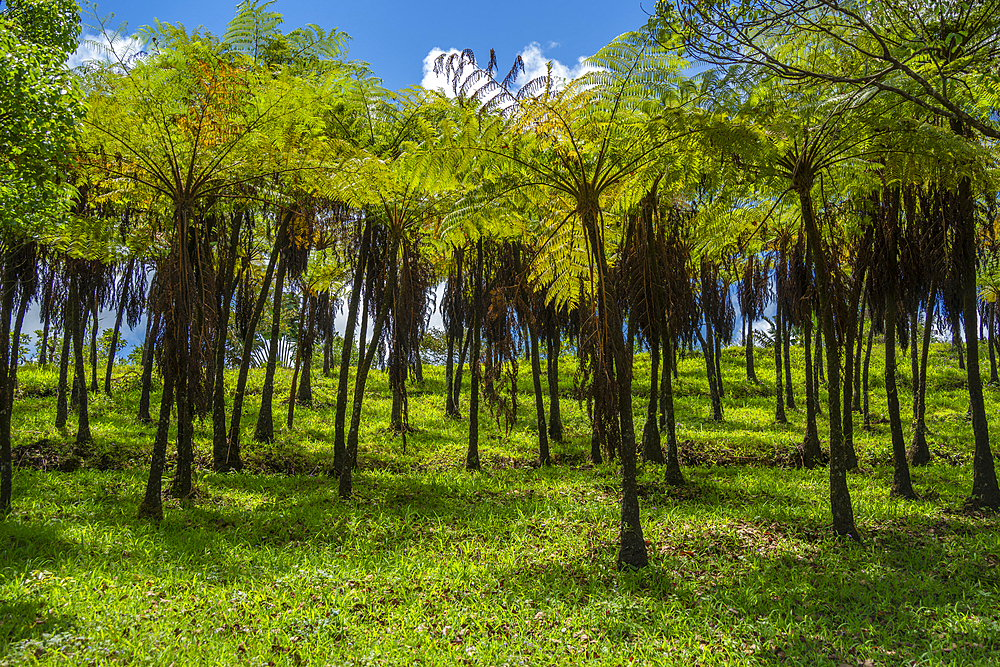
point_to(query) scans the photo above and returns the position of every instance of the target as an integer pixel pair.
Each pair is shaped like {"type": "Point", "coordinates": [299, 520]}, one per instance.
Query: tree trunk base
{"type": "Point", "coordinates": [153, 512]}
{"type": "Point", "coordinates": [919, 453]}
{"type": "Point", "coordinates": [904, 493]}
{"type": "Point", "coordinates": [181, 490]}
{"type": "Point", "coordinates": [673, 475]}
{"type": "Point", "coordinates": [345, 487]}
{"type": "Point", "coordinates": [982, 503]}
{"type": "Point", "coordinates": [812, 455]}
{"type": "Point", "coordinates": [632, 553]}
{"type": "Point", "coordinates": [651, 450]}
{"type": "Point", "coordinates": [851, 458]}
{"type": "Point", "coordinates": [595, 449]}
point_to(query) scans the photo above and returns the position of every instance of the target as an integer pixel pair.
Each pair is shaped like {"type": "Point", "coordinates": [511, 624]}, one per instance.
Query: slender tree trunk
{"type": "Point", "coordinates": [914, 364]}
{"type": "Point", "coordinates": [327, 354]}
{"type": "Point", "coordinates": [651, 450]}
{"type": "Point", "coordinates": [233, 457]}
{"type": "Point", "coordinates": [148, 348]}
{"type": "Point", "coordinates": [779, 392]}
{"type": "Point", "coordinates": [669, 361]}
{"type": "Point", "coordinates": [396, 417]}
{"type": "Point", "coordinates": [364, 365]}
{"type": "Point", "coordinates": [552, 371]}
{"type": "Point", "coordinates": [152, 504]}
{"type": "Point", "coordinates": [902, 487]}
{"type": "Point", "coordinates": [985, 491]}
{"type": "Point", "coordinates": [850, 388]}
{"type": "Point", "coordinates": [858, 355]}
{"type": "Point", "coordinates": [672, 474]}
{"type": "Point", "coordinates": [292, 395]}
{"type": "Point", "coordinates": [840, 498]}
{"type": "Point", "coordinates": [113, 349]}
{"type": "Point", "coordinates": [305, 393]}
{"type": "Point", "coordinates": [632, 547]}
{"type": "Point", "coordinates": [713, 386]}
{"type": "Point", "coordinates": [344, 372]}
{"type": "Point", "coordinates": [811, 452]}
{"type": "Point", "coordinates": [62, 397]}
{"type": "Point", "coordinates": [956, 344]}
{"type": "Point", "coordinates": [991, 345]}
{"type": "Point", "coordinates": [187, 324]}
{"type": "Point", "coordinates": [920, 453]}
{"type": "Point", "coordinates": [220, 440]}
{"type": "Point", "coordinates": [864, 378]}
{"type": "Point", "coordinates": [597, 428]}
{"type": "Point", "coordinates": [536, 377]}
{"type": "Point", "coordinates": [15, 350]}
{"type": "Point", "coordinates": [818, 375]}
{"type": "Point", "coordinates": [398, 368]}
{"type": "Point", "coordinates": [418, 367]}
{"type": "Point", "coordinates": [789, 394]}
{"type": "Point", "coordinates": [465, 340]}
{"type": "Point", "coordinates": [717, 355]}
{"type": "Point", "coordinates": [751, 362]}
{"type": "Point", "coordinates": [595, 447]}
{"type": "Point", "coordinates": [7, 285]}
{"type": "Point", "coordinates": [43, 356]}
{"type": "Point", "coordinates": [74, 396]}
{"type": "Point", "coordinates": [472, 453]}
{"type": "Point", "coordinates": [94, 387]}
{"type": "Point", "coordinates": [264, 431]}
{"type": "Point", "coordinates": [83, 436]}
{"type": "Point", "coordinates": [449, 374]}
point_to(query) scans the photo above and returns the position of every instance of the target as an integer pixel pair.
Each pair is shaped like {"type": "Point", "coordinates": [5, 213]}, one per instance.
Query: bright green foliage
{"type": "Point", "coordinates": [254, 33]}
{"type": "Point", "coordinates": [560, 158]}
{"type": "Point", "coordinates": [939, 55]}
{"type": "Point", "coordinates": [38, 111]}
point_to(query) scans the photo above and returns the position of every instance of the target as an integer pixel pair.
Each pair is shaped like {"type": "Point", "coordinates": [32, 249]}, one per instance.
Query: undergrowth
{"type": "Point", "coordinates": [430, 565]}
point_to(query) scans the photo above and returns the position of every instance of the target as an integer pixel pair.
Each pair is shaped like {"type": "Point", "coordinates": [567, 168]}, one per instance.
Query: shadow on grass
{"type": "Point", "coordinates": [28, 619]}
{"type": "Point", "coordinates": [775, 581]}
{"type": "Point", "coordinates": [24, 544]}
{"type": "Point", "coordinates": [25, 549]}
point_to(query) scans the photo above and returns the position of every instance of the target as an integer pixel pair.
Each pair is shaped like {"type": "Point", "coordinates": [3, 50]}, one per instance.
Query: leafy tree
{"type": "Point", "coordinates": [180, 129]}
{"type": "Point", "coordinates": [390, 180]}
{"type": "Point", "coordinates": [938, 55]}
{"type": "Point", "coordinates": [589, 148]}
{"type": "Point", "coordinates": [37, 115]}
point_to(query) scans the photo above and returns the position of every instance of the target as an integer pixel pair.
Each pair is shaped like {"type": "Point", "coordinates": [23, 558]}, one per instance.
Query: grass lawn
{"type": "Point", "coordinates": [428, 564]}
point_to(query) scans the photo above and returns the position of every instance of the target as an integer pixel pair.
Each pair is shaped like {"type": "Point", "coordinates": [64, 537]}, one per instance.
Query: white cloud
{"type": "Point", "coordinates": [432, 81]}
{"type": "Point", "coordinates": [100, 47]}
{"type": "Point", "coordinates": [535, 65]}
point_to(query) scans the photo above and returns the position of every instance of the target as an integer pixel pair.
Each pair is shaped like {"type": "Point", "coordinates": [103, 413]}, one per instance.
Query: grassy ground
{"type": "Point", "coordinates": [428, 564]}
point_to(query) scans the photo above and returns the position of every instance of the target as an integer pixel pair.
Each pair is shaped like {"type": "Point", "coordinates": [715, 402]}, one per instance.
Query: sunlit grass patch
{"type": "Point", "coordinates": [429, 564]}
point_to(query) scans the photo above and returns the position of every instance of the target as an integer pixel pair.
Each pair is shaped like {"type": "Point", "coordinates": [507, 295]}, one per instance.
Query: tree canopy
{"type": "Point", "coordinates": [836, 161]}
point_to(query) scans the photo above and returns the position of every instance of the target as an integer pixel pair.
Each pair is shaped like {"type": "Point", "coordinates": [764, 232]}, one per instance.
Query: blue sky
{"type": "Point", "coordinates": [396, 37]}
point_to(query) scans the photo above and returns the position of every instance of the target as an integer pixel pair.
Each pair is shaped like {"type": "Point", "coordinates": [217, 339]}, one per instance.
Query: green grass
{"type": "Point", "coordinates": [430, 565]}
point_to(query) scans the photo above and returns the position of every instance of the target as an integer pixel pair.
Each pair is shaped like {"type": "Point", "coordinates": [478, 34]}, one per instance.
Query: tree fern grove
{"type": "Point", "coordinates": [259, 199]}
